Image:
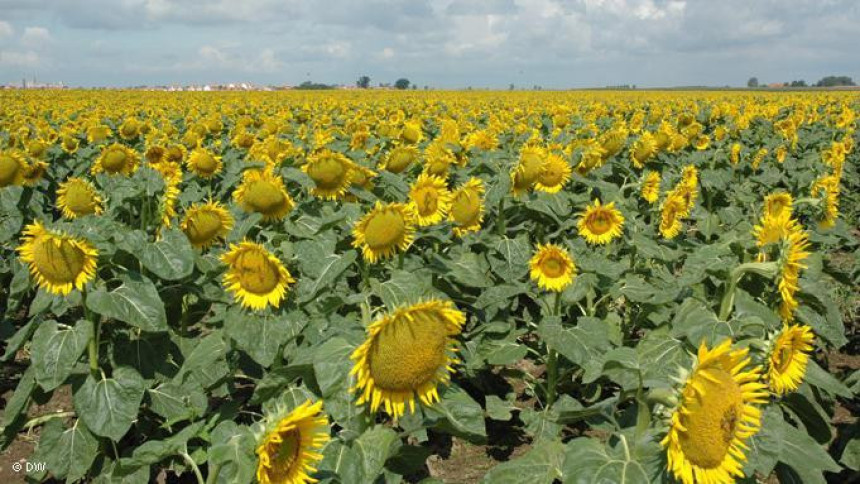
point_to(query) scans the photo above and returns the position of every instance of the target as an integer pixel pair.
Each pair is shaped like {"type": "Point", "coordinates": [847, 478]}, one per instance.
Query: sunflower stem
{"type": "Point", "coordinates": [551, 376]}
{"type": "Point", "coordinates": [500, 221]}
{"type": "Point", "coordinates": [93, 345]}
{"type": "Point", "coordinates": [400, 260]}
{"type": "Point", "coordinates": [728, 300]}
{"type": "Point", "coordinates": [194, 467]}
{"type": "Point", "coordinates": [214, 470]}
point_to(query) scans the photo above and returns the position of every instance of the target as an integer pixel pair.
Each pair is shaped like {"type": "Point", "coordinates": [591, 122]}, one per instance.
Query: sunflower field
{"type": "Point", "coordinates": [354, 287]}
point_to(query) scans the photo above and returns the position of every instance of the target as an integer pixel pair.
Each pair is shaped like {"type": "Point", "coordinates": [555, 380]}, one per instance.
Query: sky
{"type": "Point", "coordinates": [439, 43]}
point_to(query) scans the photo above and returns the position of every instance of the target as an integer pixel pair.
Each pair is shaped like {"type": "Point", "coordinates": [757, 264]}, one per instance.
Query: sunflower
{"type": "Point", "coordinates": [204, 163]}
{"type": "Point", "coordinates": [776, 203]}
{"type": "Point", "coordinates": [552, 268]}
{"type": "Point", "coordinates": [650, 186]}
{"type": "Point", "coordinates": [787, 358]}
{"type": "Point", "coordinates": [264, 192]}
{"type": "Point", "coordinates": [431, 199]}
{"type": "Point", "coordinates": [77, 197]}
{"type": "Point", "coordinates": [98, 133]}
{"type": "Point", "coordinates": [600, 224]}
{"type": "Point", "coordinates": [555, 175]}
{"type": "Point", "coordinates": [116, 159]}
{"type": "Point", "coordinates": [714, 416]}
{"type": "Point", "coordinates": [399, 159]}
{"type": "Point", "coordinates": [58, 261]}
{"type": "Point", "coordinates": [735, 154]}
{"type": "Point", "coordinates": [826, 188]}
{"type": "Point", "coordinates": [384, 230]}
{"type": "Point", "coordinates": [438, 158]}
{"type": "Point", "coordinates": [794, 252]}
{"type": "Point", "coordinates": [129, 129]}
{"type": "Point", "coordinates": [13, 167]}
{"type": "Point", "coordinates": [205, 223]}
{"type": "Point", "coordinates": [670, 216]}
{"type": "Point", "coordinates": [407, 354]}
{"type": "Point", "coordinates": [331, 173]}
{"type": "Point", "coordinates": [643, 149]}
{"type": "Point", "coordinates": [255, 276]}
{"type": "Point", "coordinates": [529, 169]}
{"type": "Point", "coordinates": [467, 207]}
{"type": "Point", "coordinates": [289, 444]}
{"type": "Point", "coordinates": [34, 172]}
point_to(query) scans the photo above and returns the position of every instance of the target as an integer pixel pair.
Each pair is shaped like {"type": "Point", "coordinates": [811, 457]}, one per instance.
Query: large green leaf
{"type": "Point", "coordinates": [587, 460]}
{"type": "Point", "coordinates": [135, 302]}
{"type": "Point", "coordinates": [584, 344]}
{"type": "Point", "coordinates": [330, 268]}
{"type": "Point", "coordinates": [259, 336]}
{"type": "Point", "coordinates": [69, 451]}
{"type": "Point", "coordinates": [109, 405]}
{"type": "Point", "coordinates": [374, 447]}
{"type": "Point", "coordinates": [55, 351]}
{"type": "Point", "coordinates": [171, 257]}
{"type": "Point", "coordinates": [540, 465]}
{"type": "Point", "coordinates": [457, 413]}
{"type": "Point", "coordinates": [805, 456]}
{"type": "Point", "coordinates": [232, 449]}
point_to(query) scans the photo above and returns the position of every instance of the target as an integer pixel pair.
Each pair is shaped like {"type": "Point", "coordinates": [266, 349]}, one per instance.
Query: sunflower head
{"type": "Point", "coordinates": [643, 149]}
{"type": "Point", "coordinates": [204, 163]}
{"type": "Point", "coordinates": [715, 415]}
{"type": "Point", "coordinates": [77, 197]}
{"type": "Point", "coordinates": [651, 186]}
{"type": "Point", "coordinates": [13, 166]}
{"type": "Point", "coordinates": [776, 203]}
{"type": "Point", "coordinates": [600, 224]}
{"type": "Point", "coordinates": [57, 261]}
{"type": "Point", "coordinates": [529, 169]}
{"type": "Point", "coordinates": [399, 159]}
{"type": "Point", "coordinates": [255, 276]}
{"type": "Point", "coordinates": [467, 207]}
{"type": "Point", "coordinates": [407, 354]}
{"type": "Point", "coordinates": [787, 358]}
{"type": "Point", "coordinates": [431, 199]}
{"type": "Point", "coordinates": [116, 159]}
{"type": "Point", "coordinates": [555, 174]}
{"type": "Point", "coordinates": [384, 230]}
{"type": "Point", "coordinates": [331, 173]}
{"type": "Point", "coordinates": [552, 268]}
{"type": "Point", "coordinates": [264, 192]}
{"type": "Point", "coordinates": [205, 223]}
{"type": "Point", "coordinates": [289, 443]}
{"type": "Point", "coordinates": [671, 214]}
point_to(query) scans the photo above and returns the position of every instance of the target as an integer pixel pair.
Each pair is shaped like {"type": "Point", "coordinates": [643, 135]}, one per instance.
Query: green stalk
{"type": "Point", "coordinates": [500, 220]}
{"type": "Point", "coordinates": [552, 361]}
{"type": "Point", "coordinates": [212, 478]}
{"type": "Point", "coordinates": [93, 345]}
{"type": "Point", "coordinates": [194, 467]}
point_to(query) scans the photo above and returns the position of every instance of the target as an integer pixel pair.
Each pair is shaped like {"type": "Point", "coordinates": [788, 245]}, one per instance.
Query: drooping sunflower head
{"type": "Point", "coordinates": [204, 163]}
{"type": "Point", "coordinates": [555, 174]}
{"type": "Point", "coordinates": [407, 354]}
{"type": "Point", "coordinates": [794, 250]}
{"type": "Point", "coordinates": [600, 224]}
{"type": "Point", "coordinates": [13, 166]}
{"type": "Point", "coordinates": [255, 276]}
{"type": "Point", "coordinates": [77, 197]}
{"type": "Point", "coordinates": [651, 186]}
{"type": "Point", "coordinates": [715, 415]}
{"type": "Point", "coordinates": [671, 214]}
{"type": "Point", "coordinates": [399, 159]}
{"type": "Point", "coordinates": [205, 223]}
{"type": "Point", "coordinates": [643, 149]}
{"type": "Point", "coordinates": [289, 444]}
{"type": "Point", "coordinates": [331, 172]}
{"type": "Point", "coordinates": [384, 230]}
{"type": "Point", "coordinates": [431, 199]}
{"type": "Point", "coordinates": [552, 268]}
{"type": "Point", "coordinates": [57, 261]}
{"type": "Point", "coordinates": [116, 159]}
{"type": "Point", "coordinates": [776, 203]}
{"type": "Point", "coordinates": [467, 207]}
{"type": "Point", "coordinates": [529, 169]}
{"type": "Point", "coordinates": [787, 358]}
{"type": "Point", "coordinates": [264, 192]}
{"type": "Point", "coordinates": [412, 132]}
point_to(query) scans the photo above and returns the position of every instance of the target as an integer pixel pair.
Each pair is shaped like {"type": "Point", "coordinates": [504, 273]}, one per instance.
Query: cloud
{"type": "Point", "coordinates": [36, 37]}
{"type": "Point", "coordinates": [19, 59]}
{"type": "Point", "coordinates": [6, 29]}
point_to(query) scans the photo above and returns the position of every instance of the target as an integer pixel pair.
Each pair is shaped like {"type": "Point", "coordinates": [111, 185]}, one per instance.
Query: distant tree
{"type": "Point", "coordinates": [311, 86]}
{"type": "Point", "coordinates": [414, 87]}
{"type": "Point", "coordinates": [402, 83]}
{"type": "Point", "coordinates": [426, 87]}
{"type": "Point", "coordinates": [753, 82]}
{"type": "Point", "coordinates": [363, 82]}
{"type": "Point", "coordinates": [511, 87]}
{"type": "Point", "coordinates": [800, 83]}
{"type": "Point", "coordinates": [831, 81]}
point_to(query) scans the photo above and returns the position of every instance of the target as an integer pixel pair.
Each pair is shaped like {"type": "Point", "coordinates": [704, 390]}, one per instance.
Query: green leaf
{"type": "Point", "coordinates": [69, 452]}
{"type": "Point", "coordinates": [205, 364]}
{"type": "Point", "coordinates": [341, 460]}
{"type": "Point", "coordinates": [766, 445]}
{"type": "Point", "coordinates": [498, 409]}
{"type": "Point", "coordinates": [458, 414]}
{"type": "Point", "coordinates": [135, 302]}
{"type": "Point", "coordinates": [541, 465]}
{"type": "Point", "coordinates": [851, 454]}
{"type": "Point", "coordinates": [374, 447]}
{"type": "Point", "coordinates": [109, 405]}
{"type": "Point", "coordinates": [403, 287]}
{"type": "Point", "coordinates": [469, 269]}
{"type": "Point", "coordinates": [233, 448]}
{"type": "Point", "coordinates": [698, 323]}
{"type": "Point", "coordinates": [638, 290]}
{"type": "Point", "coordinates": [816, 376]}
{"type": "Point", "coordinates": [177, 403]}
{"type": "Point", "coordinates": [259, 336]}
{"type": "Point", "coordinates": [18, 403]}
{"type": "Point", "coordinates": [332, 366]}
{"type": "Point", "coordinates": [331, 268]}
{"type": "Point", "coordinates": [805, 456]}
{"type": "Point", "coordinates": [55, 351]}
{"type": "Point", "coordinates": [587, 460]}
{"type": "Point", "coordinates": [171, 257]}
{"type": "Point", "coordinates": [511, 260]}
{"type": "Point", "coordinates": [585, 344]}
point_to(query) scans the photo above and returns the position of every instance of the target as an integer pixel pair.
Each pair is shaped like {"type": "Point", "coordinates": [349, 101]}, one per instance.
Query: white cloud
{"type": "Point", "coordinates": [36, 37]}
{"type": "Point", "coordinates": [387, 53]}
{"type": "Point", "coordinates": [19, 59]}
{"type": "Point", "coordinates": [6, 29]}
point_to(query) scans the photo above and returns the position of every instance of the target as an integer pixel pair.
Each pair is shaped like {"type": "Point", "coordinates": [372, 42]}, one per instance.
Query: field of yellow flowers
{"type": "Point", "coordinates": [281, 287]}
